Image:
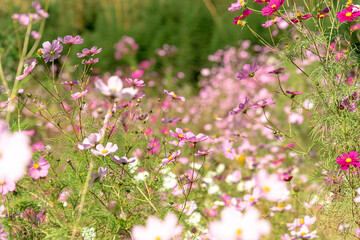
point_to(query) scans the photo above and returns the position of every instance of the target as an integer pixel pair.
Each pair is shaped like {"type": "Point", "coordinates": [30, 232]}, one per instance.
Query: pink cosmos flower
{"type": "Point", "coordinates": [270, 186]}
{"type": "Point", "coordinates": [298, 222]}
{"type": "Point", "coordinates": [280, 208]}
{"type": "Point", "coordinates": [273, 6]}
{"type": "Point", "coordinates": [271, 22]}
{"type": "Point", "coordinates": [91, 140]}
{"type": "Point", "coordinates": [157, 229]}
{"type": "Point", "coordinates": [51, 51]}
{"type": "Point", "coordinates": [241, 108]}
{"type": "Point", "coordinates": [234, 225]}
{"type": "Point", "coordinates": [27, 70]}
{"type": "Point", "coordinates": [263, 103]}
{"type": "Point", "coordinates": [110, 148]}
{"type": "Point", "coordinates": [226, 199]}
{"type": "Point", "coordinates": [248, 71]}
{"type": "Point", "coordinates": [190, 137]}
{"type": "Point", "coordinates": [355, 27]}
{"type": "Point", "coordinates": [304, 233]}
{"type": "Point", "coordinates": [299, 18]}
{"type": "Point", "coordinates": [39, 169]}
{"type": "Point", "coordinates": [235, 6]}
{"type": "Point", "coordinates": [347, 14]}
{"type": "Point", "coordinates": [137, 73]}
{"type": "Point", "coordinates": [78, 95]}
{"type": "Point", "coordinates": [6, 185]}
{"type": "Point", "coordinates": [70, 40]}
{"type": "Point", "coordinates": [136, 82]}
{"type": "Point", "coordinates": [153, 146]}
{"type": "Point", "coordinates": [90, 61]}
{"type": "Point", "coordinates": [211, 212]}
{"type": "Point", "coordinates": [35, 35]}
{"type": "Point", "coordinates": [170, 158]}
{"type": "Point", "coordinates": [38, 9]}
{"type": "Point", "coordinates": [174, 96]}
{"type": "Point", "coordinates": [357, 199]}
{"type": "Point", "coordinates": [203, 152]}
{"type": "Point", "coordinates": [261, 1]}
{"type": "Point", "coordinates": [228, 150]}
{"type": "Point", "coordinates": [179, 134]}
{"type": "Point", "coordinates": [123, 160]}
{"type": "Point", "coordinates": [23, 19]}
{"type": "Point", "coordinates": [348, 159]}
{"type": "Point", "coordinates": [114, 87]}
{"type": "Point", "coordinates": [87, 52]}
{"type": "Point", "coordinates": [3, 235]}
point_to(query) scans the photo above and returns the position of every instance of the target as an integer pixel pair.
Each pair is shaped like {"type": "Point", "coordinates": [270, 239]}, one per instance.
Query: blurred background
{"type": "Point", "coordinates": [196, 28]}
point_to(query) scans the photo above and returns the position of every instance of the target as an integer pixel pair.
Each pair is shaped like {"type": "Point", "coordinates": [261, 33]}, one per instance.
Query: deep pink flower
{"type": "Point", "coordinates": [246, 13]}
{"type": "Point", "coordinates": [293, 94]}
{"type": "Point", "coordinates": [273, 6]}
{"type": "Point", "coordinates": [262, 1]}
{"type": "Point", "coordinates": [70, 40]}
{"type": "Point", "coordinates": [299, 18]}
{"type": "Point", "coordinates": [174, 96]}
{"type": "Point", "coordinates": [87, 52]}
{"type": "Point", "coordinates": [27, 70]}
{"type": "Point", "coordinates": [348, 159]}
{"type": "Point", "coordinates": [79, 95]}
{"type": "Point", "coordinates": [248, 71]}
{"type": "Point", "coordinates": [347, 14]}
{"type": "Point", "coordinates": [153, 146]}
{"type": "Point", "coordinates": [277, 71]}
{"type": "Point", "coordinates": [39, 169]}
{"type": "Point", "coordinates": [355, 27]}
{"type": "Point", "coordinates": [137, 73]}
{"type": "Point", "coordinates": [51, 51]}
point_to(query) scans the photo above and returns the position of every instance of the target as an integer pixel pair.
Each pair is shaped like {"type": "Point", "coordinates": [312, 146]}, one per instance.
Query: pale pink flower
{"type": "Point", "coordinates": [357, 199]}
{"type": "Point", "coordinates": [304, 233]}
{"type": "Point", "coordinates": [6, 185]}
{"type": "Point", "coordinates": [170, 158]}
{"type": "Point", "coordinates": [136, 82]}
{"type": "Point", "coordinates": [70, 40]}
{"type": "Point", "coordinates": [298, 222]}
{"type": "Point", "coordinates": [87, 52]}
{"type": "Point", "coordinates": [174, 96]}
{"type": "Point", "coordinates": [234, 225]}
{"type": "Point", "coordinates": [110, 148]}
{"type": "Point", "coordinates": [189, 208]}
{"type": "Point", "coordinates": [78, 95]}
{"type": "Point", "coordinates": [190, 137]}
{"type": "Point", "coordinates": [27, 70]}
{"type": "Point", "coordinates": [91, 140]}
{"type": "Point", "coordinates": [270, 186]}
{"type": "Point", "coordinates": [39, 169]}
{"type": "Point", "coordinates": [114, 87]}
{"type": "Point", "coordinates": [157, 229]}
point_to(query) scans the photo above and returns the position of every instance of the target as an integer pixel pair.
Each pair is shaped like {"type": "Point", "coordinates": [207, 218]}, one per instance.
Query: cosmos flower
{"type": "Point", "coordinates": [238, 20]}
{"type": "Point", "coordinates": [70, 40]}
{"type": "Point", "coordinates": [174, 96]}
{"type": "Point", "coordinates": [110, 148]}
{"type": "Point", "coordinates": [248, 71]}
{"type": "Point", "coordinates": [241, 108]}
{"type": "Point", "coordinates": [157, 229]}
{"type": "Point", "coordinates": [51, 51]}
{"type": "Point", "coordinates": [27, 70]}
{"type": "Point", "coordinates": [348, 159]}
{"type": "Point", "coordinates": [123, 160]}
{"type": "Point", "coordinates": [271, 22]}
{"type": "Point", "coordinates": [114, 87]}
{"type": "Point", "coordinates": [6, 185]}
{"type": "Point", "coordinates": [263, 103]}
{"type": "Point", "coordinates": [136, 82]}
{"type": "Point", "coordinates": [87, 52]}
{"type": "Point", "coordinates": [347, 14]}
{"type": "Point", "coordinates": [39, 169]}
{"type": "Point", "coordinates": [91, 140]}
{"type": "Point", "coordinates": [299, 18]}
{"type": "Point", "coordinates": [273, 6]}
{"type": "Point", "coordinates": [270, 186]}
{"type": "Point", "coordinates": [78, 95]}
{"type": "Point", "coordinates": [203, 152]}
{"type": "Point", "coordinates": [170, 158]}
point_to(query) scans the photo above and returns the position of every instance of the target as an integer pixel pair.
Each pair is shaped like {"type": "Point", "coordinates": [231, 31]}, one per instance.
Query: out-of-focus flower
{"type": "Point", "coordinates": [271, 22]}
{"type": "Point", "coordinates": [304, 233]}
{"type": "Point", "coordinates": [27, 70]}
{"type": "Point", "coordinates": [298, 222]}
{"type": "Point", "coordinates": [39, 169]}
{"type": "Point", "coordinates": [102, 171]}
{"type": "Point", "coordinates": [190, 137]}
{"type": "Point", "coordinates": [241, 108]}
{"type": "Point", "coordinates": [238, 20]}
{"type": "Point", "coordinates": [110, 148]}
{"type": "Point", "coordinates": [270, 186]}
{"type": "Point", "coordinates": [87, 52]}
{"type": "Point", "coordinates": [299, 18]}
{"type": "Point", "coordinates": [35, 35]}
{"type": "Point", "coordinates": [263, 103]}
{"type": "Point", "coordinates": [6, 185]}
{"type": "Point", "coordinates": [174, 96]}
{"type": "Point", "coordinates": [277, 71]}
{"type": "Point", "coordinates": [136, 82]}
{"type": "Point", "coordinates": [188, 208]}
{"type": "Point", "coordinates": [70, 40]}
{"type": "Point", "coordinates": [170, 158]}
{"type": "Point", "coordinates": [3, 235]}
{"type": "Point", "coordinates": [234, 225]}
{"type": "Point", "coordinates": [51, 51]}
{"type": "Point", "coordinates": [123, 159]}
{"type": "Point", "coordinates": [355, 27]}
{"type": "Point", "coordinates": [90, 61]}
{"type": "Point", "coordinates": [115, 88]}
{"type": "Point", "coordinates": [153, 146]}
{"type": "Point", "coordinates": [157, 229]}
{"type": "Point", "coordinates": [91, 140]}
{"type": "Point", "coordinates": [203, 152]}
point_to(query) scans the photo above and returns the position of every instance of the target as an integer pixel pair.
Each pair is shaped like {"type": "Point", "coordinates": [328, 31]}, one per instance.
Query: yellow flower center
{"type": "Point", "coordinates": [2, 182]}
{"type": "Point", "coordinates": [174, 95]}
{"type": "Point", "coordinates": [348, 14]}
{"type": "Point", "coordinates": [181, 136]}
{"type": "Point", "coordinates": [266, 189]}
{"type": "Point", "coordinates": [239, 22]}
{"type": "Point", "coordinates": [298, 15]}
{"type": "Point", "coordinates": [238, 231]}
{"type": "Point", "coordinates": [187, 207]}
{"type": "Point", "coordinates": [251, 199]}
{"type": "Point", "coordinates": [280, 206]}
{"type": "Point", "coordinates": [203, 152]}
{"type": "Point", "coordinates": [114, 89]}
{"type": "Point", "coordinates": [301, 221]}
{"type": "Point", "coordinates": [229, 150]}
{"type": "Point", "coordinates": [171, 157]}
{"type": "Point", "coordinates": [104, 151]}
{"type": "Point", "coordinates": [157, 238]}
{"type": "Point", "coordinates": [303, 233]}
{"type": "Point", "coordinates": [36, 166]}
{"type": "Point", "coordinates": [1, 155]}
{"type": "Point", "coordinates": [80, 95]}
{"type": "Point", "coordinates": [348, 160]}
{"type": "Point", "coordinates": [240, 158]}
{"type": "Point", "coordinates": [216, 116]}
{"type": "Point", "coordinates": [273, 6]}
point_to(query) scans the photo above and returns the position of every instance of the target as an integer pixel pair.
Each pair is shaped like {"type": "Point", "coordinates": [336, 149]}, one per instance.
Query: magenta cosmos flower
{"type": "Point", "coordinates": [51, 51]}
{"type": "Point", "coordinates": [348, 159]}
{"type": "Point", "coordinates": [70, 40]}
{"type": "Point", "coordinates": [136, 82]}
{"type": "Point", "coordinates": [348, 15]}
{"type": "Point", "coordinates": [248, 71]}
{"type": "Point", "coordinates": [299, 18]}
{"type": "Point", "coordinates": [238, 20]}
{"type": "Point", "coordinates": [39, 169]}
{"type": "Point", "coordinates": [273, 6]}
{"type": "Point", "coordinates": [242, 107]}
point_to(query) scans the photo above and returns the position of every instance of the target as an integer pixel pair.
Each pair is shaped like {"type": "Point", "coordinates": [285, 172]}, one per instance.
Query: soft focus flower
{"type": "Point", "coordinates": [51, 51]}
{"type": "Point", "coordinates": [70, 40]}
{"type": "Point", "coordinates": [188, 208]}
{"type": "Point", "coordinates": [304, 233]}
{"type": "Point", "coordinates": [348, 159]}
{"type": "Point", "coordinates": [110, 148]}
{"type": "Point", "coordinates": [90, 61]}
{"type": "Point", "coordinates": [273, 6]}
{"type": "Point", "coordinates": [91, 140]}
{"type": "Point", "coordinates": [299, 18]}
{"type": "Point", "coordinates": [298, 222]}
{"type": "Point", "coordinates": [136, 82]}
{"type": "Point", "coordinates": [35, 35]}
{"type": "Point", "coordinates": [6, 185]}
{"type": "Point", "coordinates": [190, 137]}
{"type": "Point", "coordinates": [27, 70]}
{"type": "Point", "coordinates": [153, 146]}
{"type": "Point", "coordinates": [174, 96]}
{"type": "Point", "coordinates": [271, 22]}
{"type": "Point", "coordinates": [236, 6]}
{"type": "Point", "coordinates": [263, 103]}
{"type": "Point", "coordinates": [171, 157]}
{"type": "Point", "coordinates": [270, 186]}
{"type": "Point", "coordinates": [3, 235]}
{"type": "Point", "coordinates": [78, 95]}
{"type": "Point", "coordinates": [102, 171]}
{"type": "Point", "coordinates": [203, 152]}
{"type": "Point", "coordinates": [248, 71]}
{"type": "Point", "coordinates": [277, 71]}
{"type": "Point", "coordinates": [87, 52]}
{"type": "Point", "coordinates": [158, 230]}
{"type": "Point", "coordinates": [123, 159]}
{"type": "Point", "coordinates": [115, 88]}
{"type": "Point", "coordinates": [238, 20]}
{"type": "Point", "coordinates": [241, 108]}
{"type": "Point", "coordinates": [234, 225]}
{"type": "Point", "coordinates": [39, 169]}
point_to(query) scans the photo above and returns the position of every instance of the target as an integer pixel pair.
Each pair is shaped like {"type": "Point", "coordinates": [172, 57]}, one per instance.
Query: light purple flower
{"type": "Point", "coordinates": [70, 40]}
{"type": "Point", "coordinates": [87, 52]}
{"type": "Point", "coordinates": [27, 70]}
{"type": "Point", "coordinates": [51, 51]}
{"type": "Point", "coordinates": [110, 148]}
{"type": "Point", "coordinates": [91, 140]}
{"type": "Point", "coordinates": [39, 169]}
{"type": "Point", "coordinates": [248, 71]}
{"type": "Point", "coordinates": [101, 174]}
{"type": "Point", "coordinates": [263, 103]}
{"type": "Point", "coordinates": [174, 96]}
{"type": "Point", "coordinates": [241, 108]}
{"type": "Point", "coordinates": [91, 61]}
{"type": "Point", "coordinates": [79, 95]}
{"type": "Point", "coordinates": [123, 160]}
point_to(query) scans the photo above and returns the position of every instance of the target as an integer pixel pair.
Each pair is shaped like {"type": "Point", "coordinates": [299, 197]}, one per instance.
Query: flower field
{"type": "Point", "coordinates": [261, 144]}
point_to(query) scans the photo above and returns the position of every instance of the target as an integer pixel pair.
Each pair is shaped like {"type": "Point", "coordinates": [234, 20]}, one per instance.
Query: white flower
{"type": "Point", "coordinates": [88, 233]}
{"type": "Point", "coordinates": [194, 218]}
{"type": "Point", "coordinates": [115, 88]}
{"type": "Point", "coordinates": [141, 176]}
{"type": "Point", "coordinates": [169, 180]}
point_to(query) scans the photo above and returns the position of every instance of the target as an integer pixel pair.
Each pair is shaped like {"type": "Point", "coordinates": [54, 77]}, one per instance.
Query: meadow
{"type": "Point", "coordinates": [169, 120]}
